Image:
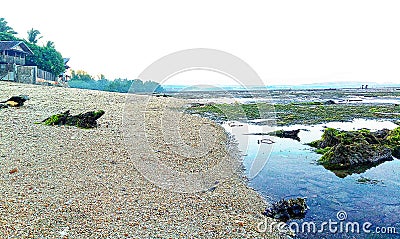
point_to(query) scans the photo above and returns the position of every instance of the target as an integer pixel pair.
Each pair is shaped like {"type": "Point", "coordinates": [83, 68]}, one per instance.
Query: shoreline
{"type": "Point", "coordinates": [83, 183]}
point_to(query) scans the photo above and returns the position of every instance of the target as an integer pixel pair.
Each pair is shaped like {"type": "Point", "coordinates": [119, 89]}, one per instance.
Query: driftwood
{"type": "Point", "coordinates": [83, 120]}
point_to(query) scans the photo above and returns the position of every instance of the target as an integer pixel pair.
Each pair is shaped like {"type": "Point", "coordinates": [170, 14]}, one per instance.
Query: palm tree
{"type": "Point", "coordinates": [4, 28]}
{"type": "Point", "coordinates": [33, 36]}
{"type": "Point", "coordinates": [50, 44]}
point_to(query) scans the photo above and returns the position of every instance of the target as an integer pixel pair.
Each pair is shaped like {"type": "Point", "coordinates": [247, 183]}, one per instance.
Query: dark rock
{"type": "Point", "coordinates": [396, 152]}
{"type": "Point", "coordinates": [381, 134]}
{"type": "Point", "coordinates": [196, 104]}
{"type": "Point", "coordinates": [161, 95]}
{"type": "Point", "coordinates": [285, 210]}
{"type": "Point", "coordinates": [364, 180]}
{"type": "Point", "coordinates": [84, 120]}
{"type": "Point", "coordinates": [329, 102]}
{"type": "Point", "coordinates": [16, 101]}
{"type": "Point", "coordinates": [291, 134]}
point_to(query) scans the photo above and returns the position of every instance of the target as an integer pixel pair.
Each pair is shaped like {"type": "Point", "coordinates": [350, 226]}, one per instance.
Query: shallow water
{"type": "Point", "coordinates": [349, 100]}
{"type": "Point", "coordinates": [291, 171]}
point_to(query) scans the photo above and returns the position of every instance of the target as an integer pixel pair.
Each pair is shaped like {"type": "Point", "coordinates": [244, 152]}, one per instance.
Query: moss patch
{"type": "Point", "coordinates": [306, 113]}
{"type": "Point", "coordinates": [393, 142]}
{"type": "Point", "coordinates": [84, 120]}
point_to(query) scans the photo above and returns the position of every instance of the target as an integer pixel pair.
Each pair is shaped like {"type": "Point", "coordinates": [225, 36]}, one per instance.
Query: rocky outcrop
{"type": "Point", "coordinates": [351, 149]}
{"type": "Point", "coordinates": [84, 120]}
{"type": "Point", "coordinates": [285, 210]}
{"type": "Point", "coordinates": [343, 156]}
{"type": "Point", "coordinates": [393, 142]}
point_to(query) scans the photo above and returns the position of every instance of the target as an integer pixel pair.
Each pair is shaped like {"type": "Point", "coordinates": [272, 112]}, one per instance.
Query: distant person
{"type": "Point", "coordinates": [366, 86]}
{"type": "Point", "coordinates": [362, 86]}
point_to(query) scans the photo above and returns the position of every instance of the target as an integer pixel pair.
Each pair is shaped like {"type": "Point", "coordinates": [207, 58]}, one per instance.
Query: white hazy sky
{"type": "Point", "coordinates": [286, 42]}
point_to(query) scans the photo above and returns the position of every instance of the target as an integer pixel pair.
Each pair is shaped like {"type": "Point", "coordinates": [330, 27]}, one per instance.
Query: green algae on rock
{"type": "Point", "coordinates": [306, 113]}
{"type": "Point", "coordinates": [84, 120]}
{"type": "Point", "coordinates": [356, 151]}
{"type": "Point", "coordinates": [393, 142]}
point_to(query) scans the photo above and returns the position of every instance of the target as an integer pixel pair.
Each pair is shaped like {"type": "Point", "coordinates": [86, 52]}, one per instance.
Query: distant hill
{"type": "Point", "coordinates": [327, 85]}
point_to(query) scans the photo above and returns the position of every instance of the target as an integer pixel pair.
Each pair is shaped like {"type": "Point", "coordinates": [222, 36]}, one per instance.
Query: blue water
{"type": "Point", "coordinates": [291, 171]}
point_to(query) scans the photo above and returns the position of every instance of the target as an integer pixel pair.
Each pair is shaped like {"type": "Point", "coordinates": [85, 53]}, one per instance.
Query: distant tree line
{"type": "Point", "coordinates": [45, 57]}
{"type": "Point", "coordinates": [81, 79]}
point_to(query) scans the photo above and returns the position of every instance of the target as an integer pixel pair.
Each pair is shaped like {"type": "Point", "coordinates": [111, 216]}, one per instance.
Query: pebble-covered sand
{"type": "Point", "coordinates": [67, 182]}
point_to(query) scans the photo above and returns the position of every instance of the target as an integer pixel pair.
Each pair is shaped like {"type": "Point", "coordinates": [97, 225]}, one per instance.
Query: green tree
{"type": "Point", "coordinates": [50, 44]}
{"type": "Point", "coordinates": [81, 75]}
{"type": "Point", "coordinates": [7, 37]}
{"type": "Point", "coordinates": [45, 58]}
{"type": "Point", "coordinates": [81, 79]}
{"type": "Point", "coordinates": [4, 28]}
{"type": "Point", "coordinates": [33, 36]}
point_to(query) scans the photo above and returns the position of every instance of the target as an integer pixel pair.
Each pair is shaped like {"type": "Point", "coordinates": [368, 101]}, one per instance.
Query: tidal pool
{"type": "Point", "coordinates": [287, 168]}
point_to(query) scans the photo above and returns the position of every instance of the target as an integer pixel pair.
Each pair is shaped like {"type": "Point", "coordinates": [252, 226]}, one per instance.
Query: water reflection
{"type": "Point", "coordinates": [291, 171]}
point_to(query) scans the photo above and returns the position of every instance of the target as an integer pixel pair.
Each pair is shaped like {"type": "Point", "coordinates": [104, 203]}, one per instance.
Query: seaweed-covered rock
{"type": "Point", "coordinates": [329, 139]}
{"type": "Point", "coordinates": [350, 155]}
{"type": "Point", "coordinates": [15, 101]}
{"type": "Point", "coordinates": [329, 102]}
{"type": "Point", "coordinates": [351, 149]}
{"type": "Point", "coordinates": [291, 134]}
{"type": "Point", "coordinates": [285, 210]}
{"type": "Point", "coordinates": [83, 120]}
{"type": "Point", "coordinates": [381, 134]}
{"type": "Point", "coordinates": [393, 142]}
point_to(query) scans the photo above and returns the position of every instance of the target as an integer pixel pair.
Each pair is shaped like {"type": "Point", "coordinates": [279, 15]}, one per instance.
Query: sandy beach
{"type": "Point", "coordinates": [69, 182]}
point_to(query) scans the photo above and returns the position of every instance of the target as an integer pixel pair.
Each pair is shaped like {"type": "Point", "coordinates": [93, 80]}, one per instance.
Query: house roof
{"type": "Point", "coordinates": [15, 46]}
{"type": "Point", "coordinates": [66, 60]}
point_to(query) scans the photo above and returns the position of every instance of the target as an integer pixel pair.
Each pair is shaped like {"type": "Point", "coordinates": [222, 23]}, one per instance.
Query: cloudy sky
{"type": "Point", "coordinates": [285, 42]}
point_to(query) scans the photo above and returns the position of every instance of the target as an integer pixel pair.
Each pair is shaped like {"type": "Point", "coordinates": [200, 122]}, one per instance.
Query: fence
{"type": "Point", "coordinates": [47, 76]}
{"type": "Point", "coordinates": [26, 74]}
